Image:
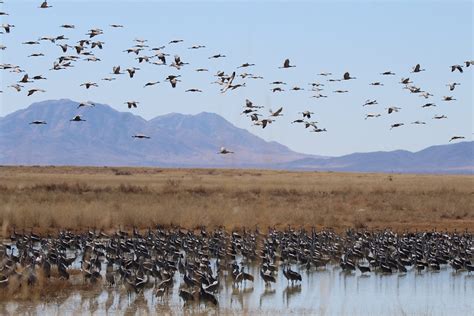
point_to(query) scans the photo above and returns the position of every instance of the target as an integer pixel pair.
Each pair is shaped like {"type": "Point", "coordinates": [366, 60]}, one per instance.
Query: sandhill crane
{"type": "Point", "coordinates": [405, 81]}
{"type": "Point", "coordinates": [7, 27]}
{"type": "Point", "coordinates": [396, 125]}
{"type": "Point", "coordinates": [469, 63]}
{"type": "Point", "coordinates": [417, 68]}
{"type": "Point", "coordinates": [371, 115]}
{"type": "Point", "coordinates": [196, 47]}
{"type": "Point", "coordinates": [116, 25]}
{"type": "Point", "coordinates": [31, 43]}
{"type": "Point", "coordinates": [175, 41]}
{"type": "Point", "coordinates": [45, 5]}
{"type": "Point", "coordinates": [77, 118]}
{"type": "Point", "coordinates": [334, 80]}
{"type": "Point", "coordinates": [456, 67]}
{"type": "Point", "coordinates": [263, 122]}
{"type": "Point", "coordinates": [370, 102]}
{"type": "Point", "coordinates": [439, 117]}
{"type": "Point", "coordinates": [298, 121]}
{"type": "Point", "coordinates": [116, 70]}
{"type": "Point", "coordinates": [393, 109]}
{"type": "Point", "coordinates": [325, 74]}
{"type": "Point", "coordinates": [310, 124]}
{"type": "Point", "coordinates": [108, 79]}
{"type": "Point", "coordinates": [268, 278]}
{"type": "Point", "coordinates": [89, 84]}
{"type": "Point", "coordinates": [278, 82]}
{"type": "Point", "coordinates": [452, 85]}
{"type": "Point", "coordinates": [340, 91]}
{"type": "Point", "coordinates": [36, 55]}
{"type": "Point", "coordinates": [277, 89]}
{"type": "Point", "coordinates": [306, 114]}
{"type": "Point", "coordinates": [254, 117]}
{"type": "Point", "coordinates": [131, 104]}
{"type": "Point", "coordinates": [319, 96]}
{"type": "Point", "coordinates": [448, 98]}
{"type": "Point", "coordinates": [277, 112]}
{"type": "Point", "coordinates": [456, 138]}
{"type": "Point", "coordinates": [98, 44]}
{"type": "Point", "coordinates": [141, 136]}
{"type": "Point", "coordinates": [30, 92]}
{"type": "Point", "coordinates": [318, 130]}
{"type": "Point", "coordinates": [224, 151]}
{"type": "Point", "coordinates": [249, 104]}
{"type": "Point", "coordinates": [64, 47]}
{"type": "Point", "coordinates": [387, 73]}
{"type": "Point", "coordinates": [201, 69]}
{"type": "Point", "coordinates": [94, 32]}
{"type": "Point", "coordinates": [193, 90]}
{"type": "Point", "coordinates": [3, 13]}
{"type": "Point", "coordinates": [216, 56]}
{"type": "Point", "coordinates": [291, 275]}
{"type": "Point", "coordinates": [85, 104]}
{"type": "Point", "coordinates": [25, 79]}
{"type": "Point", "coordinates": [39, 77]}
{"type": "Point", "coordinates": [151, 83]}
{"type": "Point", "coordinates": [17, 87]}
{"type": "Point", "coordinates": [131, 71]}
{"type": "Point", "coordinates": [418, 123]}
{"type": "Point", "coordinates": [427, 105]}
{"type": "Point", "coordinates": [425, 95]}
{"type": "Point", "coordinates": [68, 26]}
{"type": "Point", "coordinates": [38, 122]}
{"type": "Point", "coordinates": [376, 83]}
{"type": "Point", "coordinates": [286, 64]}
{"type": "Point", "coordinates": [246, 65]}
{"type": "Point", "coordinates": [347, 76]}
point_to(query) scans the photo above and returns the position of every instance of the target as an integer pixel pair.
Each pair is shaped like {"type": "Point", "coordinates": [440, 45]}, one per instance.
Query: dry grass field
{"type": "Point", "coordinates": [46, 199]}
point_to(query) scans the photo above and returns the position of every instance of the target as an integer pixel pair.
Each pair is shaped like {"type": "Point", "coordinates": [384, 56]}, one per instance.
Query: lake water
{"type": "Point", "coordinates": [326, 291]}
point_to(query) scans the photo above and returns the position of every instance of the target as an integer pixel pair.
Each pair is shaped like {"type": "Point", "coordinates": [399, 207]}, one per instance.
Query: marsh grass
{"type": "Point", "coordinates": [52, 198]}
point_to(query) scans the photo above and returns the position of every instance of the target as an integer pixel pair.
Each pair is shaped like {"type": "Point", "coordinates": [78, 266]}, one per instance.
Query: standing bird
{"type": "Point", "coordinates": [286, 64]}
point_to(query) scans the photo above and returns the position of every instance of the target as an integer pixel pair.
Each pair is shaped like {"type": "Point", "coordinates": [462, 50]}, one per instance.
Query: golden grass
{"type": "Point", "coordinates": [77, 198]}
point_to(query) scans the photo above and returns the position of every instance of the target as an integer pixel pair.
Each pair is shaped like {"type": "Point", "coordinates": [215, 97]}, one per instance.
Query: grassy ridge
{"type": "Point", "coordinates": [50, 198]}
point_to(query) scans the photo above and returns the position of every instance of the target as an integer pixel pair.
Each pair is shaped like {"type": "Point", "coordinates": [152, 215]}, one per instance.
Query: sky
{"type": "Point", "coordinates": [362, 37]}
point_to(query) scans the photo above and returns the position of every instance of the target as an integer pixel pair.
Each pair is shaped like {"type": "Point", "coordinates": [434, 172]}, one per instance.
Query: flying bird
{"type": "Point", "coordinates": [141, 136]}
{"type": "Point", "coordinates": [417, 68]}
{"type": "Point", "coordinates": [38, 123]}
{"type": "Point", "coordinates": [456, 137]}
{"type": "Point", "coordinates": [224, 151]}
{"type": "Point", "coordinates": [77, 118]}
{"type": "Point", "coordinates": [286, 64]}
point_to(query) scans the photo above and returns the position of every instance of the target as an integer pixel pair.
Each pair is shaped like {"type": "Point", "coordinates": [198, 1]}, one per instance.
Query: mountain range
{"type": "Point", "coordinates": [178, 140]}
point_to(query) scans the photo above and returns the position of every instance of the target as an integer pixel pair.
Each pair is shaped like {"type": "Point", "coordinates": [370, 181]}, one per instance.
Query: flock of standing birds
{"type": "Point", "coordinates": [201, 263]}
{"type": "Point", "coordinates": [83, 49]}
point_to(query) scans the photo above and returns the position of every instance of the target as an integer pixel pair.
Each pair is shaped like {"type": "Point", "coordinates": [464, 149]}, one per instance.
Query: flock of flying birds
{"type": "Point", "coordinates": [83, 49]}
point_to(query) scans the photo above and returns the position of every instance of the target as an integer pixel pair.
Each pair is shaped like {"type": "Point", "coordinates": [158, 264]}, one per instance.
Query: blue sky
{"type": "Point", "coordinates": [364, 38]}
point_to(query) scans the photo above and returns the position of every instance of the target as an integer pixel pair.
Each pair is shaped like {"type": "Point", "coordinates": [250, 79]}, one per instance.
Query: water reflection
{"type": "Point", "coordinates": [328, 291]}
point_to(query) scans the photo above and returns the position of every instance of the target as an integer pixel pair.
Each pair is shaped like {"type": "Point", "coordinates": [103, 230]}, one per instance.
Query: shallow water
{"type": "Point", "coordinates": [323, 292]}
